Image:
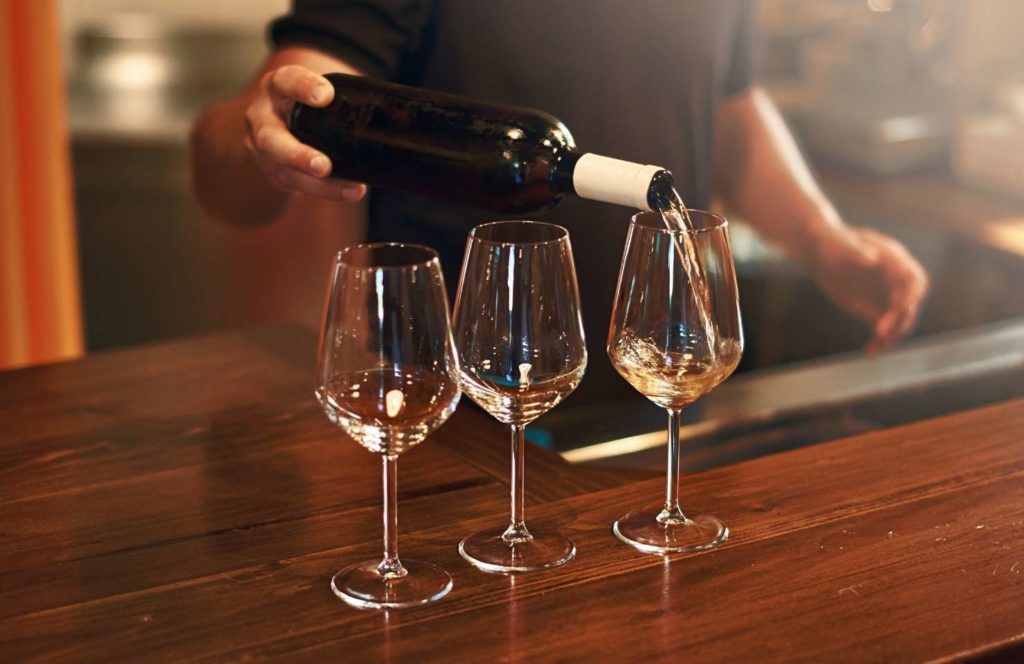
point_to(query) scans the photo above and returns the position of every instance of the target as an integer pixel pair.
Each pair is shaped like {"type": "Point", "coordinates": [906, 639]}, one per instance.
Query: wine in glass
{"type": "Point", "coordinates": [387, 374]}
{"type": "Point", "coordinates": [663, 345]}
{"type": "Point", "coordinates": [521, 349]}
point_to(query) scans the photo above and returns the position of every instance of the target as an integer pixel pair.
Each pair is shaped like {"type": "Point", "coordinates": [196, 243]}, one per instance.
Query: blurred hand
{"type": "Point", "coordinates": [873, 277]}
{"type": "Point", "coordinates": [290, 165]}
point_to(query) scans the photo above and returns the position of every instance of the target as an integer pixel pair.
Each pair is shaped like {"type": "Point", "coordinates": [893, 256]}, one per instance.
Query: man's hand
{"type": "Point", "coordinates": [288, 164]}
{"type": "Point", "coordinates": [246, 164]}
{"type": "Point", "coordinates": [873, 277]}
{"type": "Point", "coordinates": [762, 177]}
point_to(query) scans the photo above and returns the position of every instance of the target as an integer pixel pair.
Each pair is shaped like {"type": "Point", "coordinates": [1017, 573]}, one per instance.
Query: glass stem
{"type": "Point", "coordinates": [672, 513]}
{"type": "Point", "coordinates": [516, 531]}
{"type": "Point", "coordinates": [391, 567]}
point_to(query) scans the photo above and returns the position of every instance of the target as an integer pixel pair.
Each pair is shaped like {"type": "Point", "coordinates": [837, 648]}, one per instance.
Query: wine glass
{"type": "Point", "coordinates": [519, 335]}
{"type": "Point", "coordinates": [662, 343]}
{"type": "Point", "coordinates": [388, 375]}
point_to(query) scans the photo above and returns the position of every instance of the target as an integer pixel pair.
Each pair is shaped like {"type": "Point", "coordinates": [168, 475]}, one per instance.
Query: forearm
{"type": "Point", "coordinates": [762, 178]}
{"type": "Point", "coordinates": [227, 182]}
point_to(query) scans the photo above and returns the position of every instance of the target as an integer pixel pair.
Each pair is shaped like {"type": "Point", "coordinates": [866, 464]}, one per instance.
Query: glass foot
{"type": "Point", "coordinates": [645, 532]}
{"type": "Point", "coordinates": [361, 586]}
{"type": "Point", "coordinates": [489, 552]}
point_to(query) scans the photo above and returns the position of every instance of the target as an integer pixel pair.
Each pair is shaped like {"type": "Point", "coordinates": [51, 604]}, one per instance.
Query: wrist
{"type": "Point", "coordinates": [820, 230]}
{"type": "Point", "coordinates": [226, 179]}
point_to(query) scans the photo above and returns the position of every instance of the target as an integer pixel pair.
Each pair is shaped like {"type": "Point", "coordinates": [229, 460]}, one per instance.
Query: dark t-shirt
{"type": "Point", "coordinates": [632, 79]}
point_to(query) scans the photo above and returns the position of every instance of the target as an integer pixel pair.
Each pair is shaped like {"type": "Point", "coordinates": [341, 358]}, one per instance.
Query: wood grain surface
{"type": "Point", "coordinates": [189, 502]}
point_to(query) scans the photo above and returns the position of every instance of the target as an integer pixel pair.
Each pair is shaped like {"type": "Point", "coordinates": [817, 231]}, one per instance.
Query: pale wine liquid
{"type": "Point", "coordinates": [389, 410]}
{"type": "Point", "coordinates": [672, 379]}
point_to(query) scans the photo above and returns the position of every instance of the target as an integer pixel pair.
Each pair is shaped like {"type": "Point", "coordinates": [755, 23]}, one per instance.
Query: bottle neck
{"type": "Point", "coordinates": [610, 180]}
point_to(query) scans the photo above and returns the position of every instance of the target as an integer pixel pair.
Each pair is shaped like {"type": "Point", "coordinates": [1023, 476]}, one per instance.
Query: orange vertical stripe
{"type": "Point", "coordinates": [14, 346]}
{"type": "Point", "coordinates": [44, 303]}
{"type": "Point", "coordinates": [28, 170]}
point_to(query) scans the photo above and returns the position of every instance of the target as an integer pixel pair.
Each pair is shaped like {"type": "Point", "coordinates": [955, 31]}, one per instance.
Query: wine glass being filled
{"type": "Point", "coordinates": [675, 339]}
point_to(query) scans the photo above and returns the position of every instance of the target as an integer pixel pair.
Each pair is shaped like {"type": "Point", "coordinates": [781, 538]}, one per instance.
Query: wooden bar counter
{"type": "Point", "coordinates": [189, 502]}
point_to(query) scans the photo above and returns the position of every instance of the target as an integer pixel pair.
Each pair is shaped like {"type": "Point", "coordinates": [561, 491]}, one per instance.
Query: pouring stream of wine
{"type": "Point", "coordinates": [677, 218]}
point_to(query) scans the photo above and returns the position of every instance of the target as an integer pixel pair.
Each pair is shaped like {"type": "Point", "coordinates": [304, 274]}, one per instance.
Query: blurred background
{"type": "Point", "coordinates": [911, 111]}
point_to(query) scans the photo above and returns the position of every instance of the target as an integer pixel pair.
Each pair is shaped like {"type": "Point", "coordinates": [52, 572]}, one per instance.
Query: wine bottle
{"type": "Point", "coordinates": [501, 158]}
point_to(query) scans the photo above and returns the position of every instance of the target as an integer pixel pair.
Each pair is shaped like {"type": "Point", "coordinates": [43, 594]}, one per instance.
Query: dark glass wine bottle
{"type": "Point", "coordinates": [501, 158]}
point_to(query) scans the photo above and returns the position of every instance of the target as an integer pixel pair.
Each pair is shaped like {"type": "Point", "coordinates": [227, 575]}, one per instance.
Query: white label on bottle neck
{"type": "Point", "coordinates": [613, 180]}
